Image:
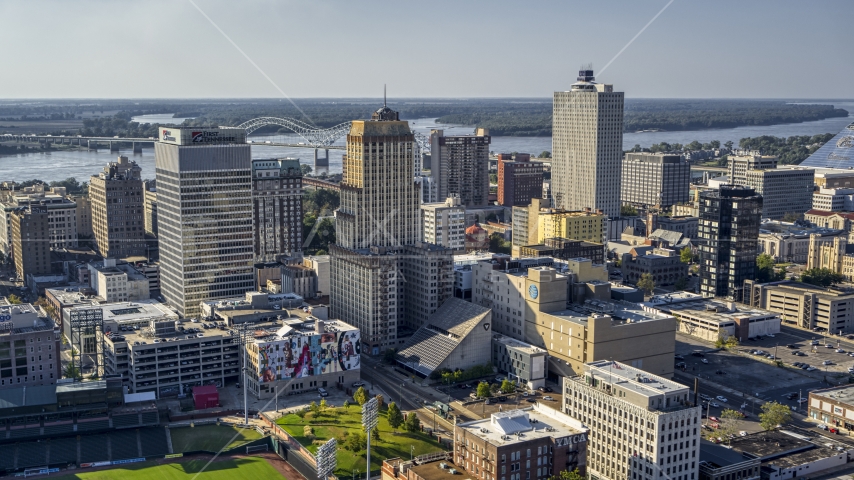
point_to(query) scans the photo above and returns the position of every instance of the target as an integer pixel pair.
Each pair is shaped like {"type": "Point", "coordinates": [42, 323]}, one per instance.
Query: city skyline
{"type": "Point", "coordinates": [721, 50]}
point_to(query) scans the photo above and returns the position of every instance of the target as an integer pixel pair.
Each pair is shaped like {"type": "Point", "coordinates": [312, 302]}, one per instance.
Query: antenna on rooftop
{"type": "Point", "coordinates": [384, 97]}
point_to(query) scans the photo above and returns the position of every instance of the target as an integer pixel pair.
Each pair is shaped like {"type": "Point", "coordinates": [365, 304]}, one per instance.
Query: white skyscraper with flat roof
{"type": "Point", "coordinates": [587, 146]}
{"type": "Point", "coordinates": [204, 201]}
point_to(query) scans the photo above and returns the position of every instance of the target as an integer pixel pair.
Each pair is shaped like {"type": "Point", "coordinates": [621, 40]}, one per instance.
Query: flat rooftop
{"type": "Point", "coordinates": [709, 310]}
{"type": "Point", "coordinates": [73, 295]}
{"type": "Point", "coordinates": [136, 312]}
{"type": "Point", "coordinates": [517, 344]}
{"type": "Point", "coordinates": [631, 378]}
{"type": "Point", "coordinates": [843, 394]}
{"type": "Point", "coordinates": [621, 312]}
{"type": "Point", "coordinates": [523, 425]}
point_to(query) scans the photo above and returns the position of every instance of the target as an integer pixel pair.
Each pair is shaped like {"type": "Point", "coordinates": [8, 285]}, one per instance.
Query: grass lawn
{"type": "Point", "coordinates": [210, 438]}
{"type": "Point", "coordinates": [349, 420]}
{"type": "Point", "coordinates": [250, 467]}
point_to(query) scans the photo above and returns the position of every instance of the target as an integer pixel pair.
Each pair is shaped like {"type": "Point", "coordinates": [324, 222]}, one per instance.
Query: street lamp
{"type": "Point", "coordinates": [326, 460]}
{"type": "Point", "coordinates": [369, 421]}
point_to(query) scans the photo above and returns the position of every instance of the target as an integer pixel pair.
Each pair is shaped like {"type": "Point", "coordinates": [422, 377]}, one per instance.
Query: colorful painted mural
{"type": "Point", "coordinates": [306, 355]}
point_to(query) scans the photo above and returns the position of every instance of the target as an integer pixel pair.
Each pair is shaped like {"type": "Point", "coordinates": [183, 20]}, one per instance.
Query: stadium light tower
{"type": "Point", "coordinates": [370, 412]}
{"type": "Point", "coordinates": [326, 460]}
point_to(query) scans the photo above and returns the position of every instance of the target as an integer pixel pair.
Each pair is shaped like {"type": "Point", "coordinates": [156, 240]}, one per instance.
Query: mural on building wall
{"type": "Point", "coordinates": [301, 356]}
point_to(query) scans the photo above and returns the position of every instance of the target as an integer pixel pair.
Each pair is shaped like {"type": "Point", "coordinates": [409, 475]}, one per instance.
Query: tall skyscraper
{"type": "Point", "coordinates": [117, 209]}
{"type": "Point", "coordinates": [31, 240]}
{"type": "Point", "coordinates": [277, 207]}
{"type": "Point", "coordinates": [460, 166]}
{"type": "Point", "coordinates": [378, 230]}
{"type": "Point", "coordinates": [204, 197]}
{"type": "Point", "coordinates": [587, 146]}
{"type": "Point", "coordinates": [729, 234]}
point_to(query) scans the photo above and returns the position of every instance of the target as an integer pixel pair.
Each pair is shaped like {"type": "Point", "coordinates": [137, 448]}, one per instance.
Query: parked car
{"type": "Point", "coordinates": [358, 384]}
{"type": "Point", "coordinates": [839, 350]}
{"type": "Point", "coordinates": [721, 398]}
{"type": "Point", "coordinates": [322, 392]}
{"type": "Point", "coordinates": [548, 397]}
{"type": "Point", "coordinates": [715, 404]}
{"type": "Point", "coordinates": [705, 361]}
{"type": "Point", "coordinates": [742, 433]}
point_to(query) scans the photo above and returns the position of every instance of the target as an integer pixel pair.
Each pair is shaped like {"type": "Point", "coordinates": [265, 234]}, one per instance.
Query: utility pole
{"type": "Point", "coordinates": [277, 399]}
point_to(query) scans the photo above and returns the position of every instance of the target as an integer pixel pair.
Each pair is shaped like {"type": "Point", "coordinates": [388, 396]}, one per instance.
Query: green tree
{"type": "Point", "coordinates": [71, 371]}
{"type": "Point", "coordinates": [765, 271]}
{"type": "Point", "coordinates": [14, 299]}
{"type": "Point", "coordinates": [322, 407]}
{"type": "Point", "coordinates": [412, 424]}
{"type": "Point", "coordinates": [497, 244]}
{"type": "Point", "coordinates": [822, 277]}
{"type": "Point", "coordinates": [646, 283]}
{"type": "Point", "coordinates": [728, 144]}
{"type": "Point", "coordinates": [730, 422]}
{"type": "Point", "coordinates": [356, 442]}
{"type": "Point", "coordinates": [305, 169]}
{"type": "Point", "coordinates": [773, 414]}
{"type": "Point", "coordinates": [346, 403]}
{"type": "Point", "coordinates": [568, 475]}
{"type": "Point", "coordinates": [390, 356]}
{"type": "Point", "coordinates": [791, 217]}
{"type": "Point", "coordinates": [628, 211]}
{"type": "Point", "coordinates": [507, 386]}
{"type": "Point", "coordinates": [380, 401]}
{"type": "Point", "coordinates": [680, 284]}
{"type": "Point", "coordinates": [315, 408]}
{"type": "Point", "coordinates": [360, 396]}
{"type": "Point", "coordinates": [308, 431]}
{"type": "Point", "coordinates": [375, 434]}
{"type": "Point", "coordinates": [483, 390]}
{"type": "Point", "coordinates": [395, 417]}
{"type": "Point", "coordinates": [545, 154]}
{"type": "Point", "coordinates": [686, 255]}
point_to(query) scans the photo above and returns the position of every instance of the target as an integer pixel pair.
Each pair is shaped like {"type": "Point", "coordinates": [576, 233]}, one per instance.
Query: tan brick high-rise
{"type": "Point", "coordinates": [117, 216]}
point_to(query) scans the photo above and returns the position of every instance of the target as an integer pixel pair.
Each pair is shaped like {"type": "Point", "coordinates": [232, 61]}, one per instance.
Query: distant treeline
{"type": "Point", "coordinates": [671, 115]}
{"type": "Point", "coordinates": [517, 117]}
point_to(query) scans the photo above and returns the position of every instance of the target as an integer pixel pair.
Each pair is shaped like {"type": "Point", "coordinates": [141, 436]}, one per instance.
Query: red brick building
{"type": "Point", "coordinates": [527, 444]}
{"type": "Point", "coordinates": [519, 179]}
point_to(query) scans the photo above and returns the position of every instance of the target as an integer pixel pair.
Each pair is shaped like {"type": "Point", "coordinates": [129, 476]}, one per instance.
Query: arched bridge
{"type": "Point", "coordinates": [316, 137]}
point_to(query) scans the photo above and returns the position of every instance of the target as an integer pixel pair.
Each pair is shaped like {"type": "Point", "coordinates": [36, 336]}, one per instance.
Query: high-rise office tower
{"type": "Point", "coordinates": [204, 214]}
{"type": "Point", "coordinates": [277, 207]}
{"type": "Point", "coordinates": [460, 166]}
{"type": "Point", "coordinates": [117, 209]}
{"type": "Point", "coordinates": [729, 234]}
{"type": "Point", "coordinates": [587, 146]}
{"type": "Point", "coordinates": [378, 232]}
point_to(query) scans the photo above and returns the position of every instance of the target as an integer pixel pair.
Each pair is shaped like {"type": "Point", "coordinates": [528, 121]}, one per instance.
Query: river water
{"type": "Point", "coordinates": [81, 164]}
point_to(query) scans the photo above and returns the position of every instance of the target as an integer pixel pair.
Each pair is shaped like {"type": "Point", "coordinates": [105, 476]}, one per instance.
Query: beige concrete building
{"type": "Point", "coordinates": [587, 147]}
{"type": "Point", "coordinates": [444, 223]}
{"type": "Point", "coordinates": [655, 179]}
{"type": "Point", "coordinates": [62, 214]}
{"type": "Point", "coordinates": [743, 161]}
{"type": "Point", "coordinates": [785, 190]}
{"type": "Point", "coordinates": [531, 306]}
{"type": "Point", "coordinates": [84, 216]}
{"type": "Point", "coordinates": [642, 426]}
{"type": "Point", "coordinates": [118, 282]}
{"type": "Point", "coordinates": [710, 319]}
{"type": "Point", "coordinates": [794, 247]}
{"type": "Point", "coordinates": [117, 221]}
{"type": "Point", "coordinates": [30, 241]}
{"type": "Point", "coordinates": [805, 306]}
{"type": "Point", "coordinates": [836, 220]}
{"type": "Point", "coordinates": [833, 255]}
{"type": "Point", "coordinates": [150, 209]}
{"type": "Point", "coordinates": [833, 199]}
{"type": "Point", "coordinates": [538, 221]}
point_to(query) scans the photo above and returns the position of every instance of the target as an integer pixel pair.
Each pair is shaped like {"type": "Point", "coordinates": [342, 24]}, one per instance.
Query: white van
{"type": "Point", "coordinates": [322, 392]}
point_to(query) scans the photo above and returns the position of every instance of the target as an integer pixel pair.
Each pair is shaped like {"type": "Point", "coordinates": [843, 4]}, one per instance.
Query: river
{"type": "Point", "coordinates": [59, 165]}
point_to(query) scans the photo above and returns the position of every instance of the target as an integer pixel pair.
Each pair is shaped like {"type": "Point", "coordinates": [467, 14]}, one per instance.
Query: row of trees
{"type": "Point", "coordinates": [71, 185]}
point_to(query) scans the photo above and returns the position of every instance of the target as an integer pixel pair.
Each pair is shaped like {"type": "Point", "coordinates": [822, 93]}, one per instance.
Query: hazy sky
{"type": "Point", "coordinates": [426, 48]}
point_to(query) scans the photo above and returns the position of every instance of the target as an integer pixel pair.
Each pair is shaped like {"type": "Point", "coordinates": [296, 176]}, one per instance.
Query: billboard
{"type": "Point", "coordinates": [301, 356]}
{"type": "Point", "coordinates": [201, 136]}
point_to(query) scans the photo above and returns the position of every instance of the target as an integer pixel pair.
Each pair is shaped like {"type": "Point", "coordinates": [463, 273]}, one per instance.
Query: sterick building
{"type": "Point", "coordinates": [642, 426]}
{"type": "Point", "coordinates": [460, 166]}
{"type": "Point", "coordinates": [587, 146]}
{"type": "Point", "coordinates": [277, 208]}
{"type": "Point", "coordinates": [117, 209]}
{"type": "Point", "coordinates": [382, 277]}
{"type": "Point", "coordinates": [204, 196]}
{"type": "Point", "coordinates": [30, 242]}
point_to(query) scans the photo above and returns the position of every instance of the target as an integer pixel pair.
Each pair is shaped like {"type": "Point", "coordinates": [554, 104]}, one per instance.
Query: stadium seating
{"type": "Point", "coordinates": [93, 425]}
{"type": "Point", "coordinates": [149, 418]}
{"type": "Point", "coordinates": [62, 450]}
{"type": "Point", "coordinates": [60, 429]}
{"type": "Point", "coordinates": [127, 420]}
{"type": "Point", "coordinates": [124, 444]}
{"type": "Point", "coordinates": [31, 454]}
{"type": "Point", "coordinates": [93, 448]}
{"type": "Point", "coordinates": [153, 441]}
{"type": "Point", "coordinates": [7, 456]}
